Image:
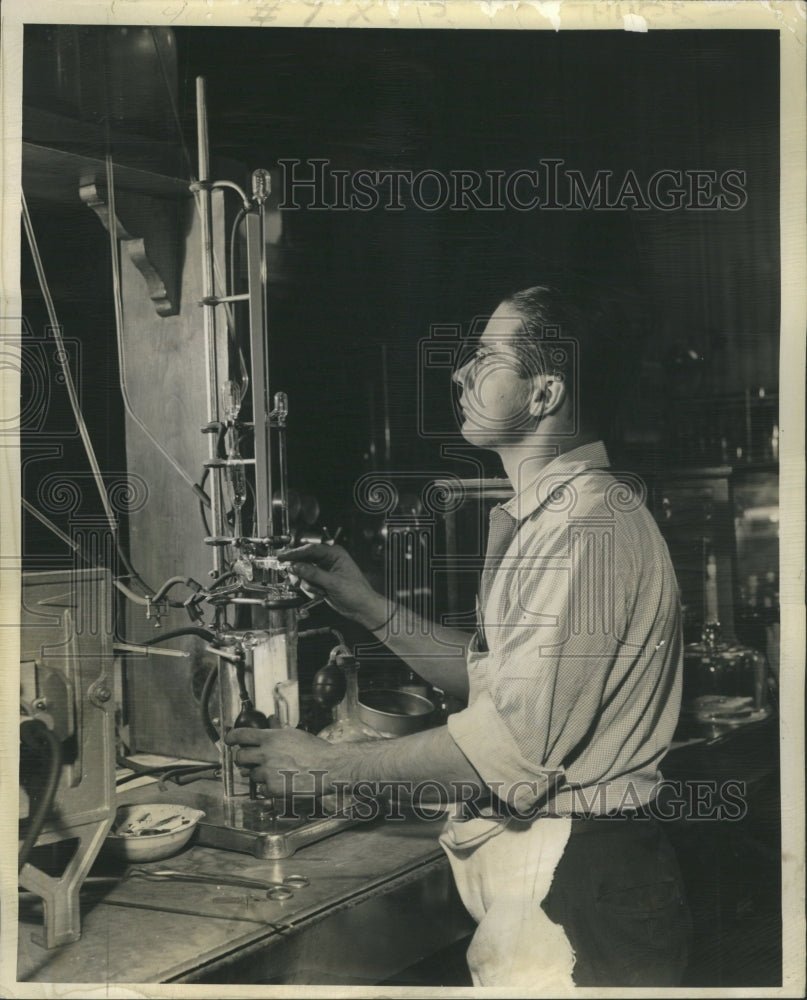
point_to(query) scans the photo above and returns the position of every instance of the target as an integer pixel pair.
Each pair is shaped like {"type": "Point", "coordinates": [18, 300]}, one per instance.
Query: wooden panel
{"type": "Point", "coordinates": [166, 389]}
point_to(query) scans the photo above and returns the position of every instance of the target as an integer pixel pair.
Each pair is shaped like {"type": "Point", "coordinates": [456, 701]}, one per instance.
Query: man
{"type": "Point", "coordinates": [573, 679]}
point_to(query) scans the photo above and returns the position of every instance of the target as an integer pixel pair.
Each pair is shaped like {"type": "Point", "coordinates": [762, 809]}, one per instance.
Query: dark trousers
{"type": "Point", "coordinates": [617, 893]}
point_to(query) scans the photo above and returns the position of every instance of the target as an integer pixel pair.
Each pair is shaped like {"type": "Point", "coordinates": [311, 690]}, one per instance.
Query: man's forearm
{"type": "Point", "coordinates": [429, 756]}
{"type": "Point", "coordinates": [433, 651]}
{"type": "Point", "coordinates": [291, 761]}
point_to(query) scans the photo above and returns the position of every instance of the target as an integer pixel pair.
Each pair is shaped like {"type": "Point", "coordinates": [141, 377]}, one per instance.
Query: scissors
{"type": "Point", "coordinates": [274, 890]}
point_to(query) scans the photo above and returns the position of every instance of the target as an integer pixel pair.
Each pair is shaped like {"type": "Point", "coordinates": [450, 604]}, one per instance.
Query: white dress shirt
{"type": "Point", "coordinates": [580, 686]}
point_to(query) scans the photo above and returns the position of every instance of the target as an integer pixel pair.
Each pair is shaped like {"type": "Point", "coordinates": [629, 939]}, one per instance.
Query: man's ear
{"type": "Point", "coordinates": [548, 395]}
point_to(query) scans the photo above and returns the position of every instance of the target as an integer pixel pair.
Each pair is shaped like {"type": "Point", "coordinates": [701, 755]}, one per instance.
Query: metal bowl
{"type": "Point", "coordinates": [394, 713]}
{"type": "Point", "coordinates": [152, 831]}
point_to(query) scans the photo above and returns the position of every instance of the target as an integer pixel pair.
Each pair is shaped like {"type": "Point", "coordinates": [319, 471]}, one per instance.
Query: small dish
{"type": "Point", "coordinates": [152, 831]}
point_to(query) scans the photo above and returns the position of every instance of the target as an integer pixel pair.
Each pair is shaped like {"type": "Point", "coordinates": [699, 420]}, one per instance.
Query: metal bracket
{"type": "Point", "coordinates": [148, 229]}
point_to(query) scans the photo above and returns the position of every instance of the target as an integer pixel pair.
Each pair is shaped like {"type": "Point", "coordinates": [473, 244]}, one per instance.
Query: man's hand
{"type": "Point", "coordinates": [328, 571]}
{"type": "Point", "coordinates": [264, 753]}
{"type": "Point", "coordinates": [435, 652]}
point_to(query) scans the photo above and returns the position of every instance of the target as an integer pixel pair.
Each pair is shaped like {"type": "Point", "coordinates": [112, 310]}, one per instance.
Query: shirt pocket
{"type": "Point", "coordinates": [476, 662]}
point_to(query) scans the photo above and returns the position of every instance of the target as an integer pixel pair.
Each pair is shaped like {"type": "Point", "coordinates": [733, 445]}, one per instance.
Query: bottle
{"type": "Point", "coordinates": [725, 682]}
{"type": "Point", "coordinates": [710, 590]}
{"type": "Point", "coordinates": [749, 621]}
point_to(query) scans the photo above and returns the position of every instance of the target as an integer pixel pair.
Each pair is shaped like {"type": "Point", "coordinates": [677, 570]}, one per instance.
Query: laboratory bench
{"type": "Point", "coordinates": [381, 902]}
{"type": "Point", "coordinates": [379, 899]}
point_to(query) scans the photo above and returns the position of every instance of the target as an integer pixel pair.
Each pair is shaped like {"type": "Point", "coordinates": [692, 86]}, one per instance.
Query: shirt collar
{"type": "Point", "coordinates": [559, 471]}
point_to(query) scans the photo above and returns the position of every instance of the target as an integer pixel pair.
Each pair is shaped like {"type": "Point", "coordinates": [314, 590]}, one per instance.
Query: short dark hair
{"type": "Point", "coordinates": [550, 314]}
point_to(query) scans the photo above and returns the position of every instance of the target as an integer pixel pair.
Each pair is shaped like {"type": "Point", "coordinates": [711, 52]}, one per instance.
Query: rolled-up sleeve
{"type": "Point", "coordinates": [484, 738]}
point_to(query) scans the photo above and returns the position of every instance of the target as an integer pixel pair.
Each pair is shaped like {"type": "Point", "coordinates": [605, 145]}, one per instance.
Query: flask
{"type": "Point", "coordinates": [725, 682]}
{"type": "Point", "coordinates": [347, 726]}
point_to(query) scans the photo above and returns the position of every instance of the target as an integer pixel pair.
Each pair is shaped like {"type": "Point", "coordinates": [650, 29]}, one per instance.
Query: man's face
{"type": "Point", "coordinates": [497, 383]}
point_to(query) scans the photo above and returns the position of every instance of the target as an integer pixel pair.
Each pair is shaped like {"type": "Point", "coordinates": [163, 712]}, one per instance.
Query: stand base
{"type": "Point", "coordinates": [254, 826]}
{"type": "Point", "coordinates": [60, 896]}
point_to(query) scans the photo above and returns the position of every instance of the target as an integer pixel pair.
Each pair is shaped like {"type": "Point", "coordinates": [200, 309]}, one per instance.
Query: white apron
{"type": "Point", "coordinates": [503, 872]}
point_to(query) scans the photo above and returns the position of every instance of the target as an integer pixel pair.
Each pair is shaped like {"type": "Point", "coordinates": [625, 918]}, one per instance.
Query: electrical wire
{"type": "Point", "coordinates": [228, 311]}
{"type": "Point", "coordinates": [52, 527]}
{"type": "Point", "coordinates": [62, 356]}
{"type": "Point", "coordinates": [154, 598]}
{"type": "Point", "coordinates": [130, 594]}
{"type": "Point", "coordinates": [325, 630]}
{"type": "Point", "coordinates": [137, 767]}
{"type": "Point", "coordinates": [202, 513]}
{"type": "Point", "coordinates": [197, 630]}
{"type": "Point", "coordinates": [71, 388]}
{"type": "Point", "coordinates": [42, 738]}
{"type": "Point", "coordinates": [185, 775]}
{"type": "Point", "coordinates": [230, 288]}
{"type": "Point", "coordinates": [204, 705]}
{"type": "Point", "coordinates": [118, 303]}
{"type": "Point", "coordinates": [217, 271]}
{"type": "Point", "coordinates": [164, 770]}
{"type": "Point", "coordinates": [233, 233]}
{"type": "Point", "coordinates": [174, 581]}
{"type": "Point", "coordinates": [234, 187]}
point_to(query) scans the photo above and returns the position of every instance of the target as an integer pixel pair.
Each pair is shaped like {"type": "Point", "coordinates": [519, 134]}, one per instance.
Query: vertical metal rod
{"type": "Point", "coordinates": [281, 413]}
{"type": "Point", "coordinates": [258, 344]}
{"type": "Point", "coordinates": [209, 311]}
{"type": "Point", "coordinates": [225, 718]}
{"type": "Point", "coordinates": [284, 485]}
{"type": "Point", "coordinates": [263, 285]}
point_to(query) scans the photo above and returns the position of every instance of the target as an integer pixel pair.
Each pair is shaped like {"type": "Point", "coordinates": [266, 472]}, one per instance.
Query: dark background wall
{"type": "Point", "coordinates": [705, 280]}
{"type": "Point", "coordinates": [700, 288]}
